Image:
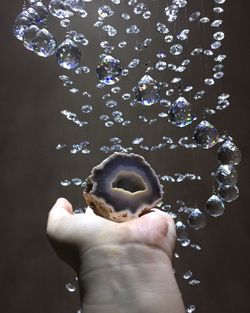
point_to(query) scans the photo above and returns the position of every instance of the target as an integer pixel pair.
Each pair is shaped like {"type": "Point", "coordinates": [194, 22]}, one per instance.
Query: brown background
{"type": "Point", "coordinates": [32, 278]}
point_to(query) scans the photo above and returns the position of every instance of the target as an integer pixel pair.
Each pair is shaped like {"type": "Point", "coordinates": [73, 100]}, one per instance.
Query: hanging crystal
{"type": "Point", "coordinates": [179, 113]}
{"type": "Point", "coordinates": [147, 91]}
{"type": "Point", "coordinates": [42, 12]}
{"type": "Point", "coordinates": [181, 231]}
{"type": "Point", "coordinates": [75, 5]}
{"type": "Point", "coordinates": [229, 153]}
{"type": "Point", "coordinates": [21, 25]}
{"type": "Point", "coordinates": [215, 206]}
{"type": "Point", "coordinates": [197, 219]}
{"type": "Point", "coordinates": [227, 175]}
{"type": "Point", "coordinates": [44, 43]}
{"type": "Point", "coordinates": [60, 9]}
{"type": "Point", "coordinates": [205, 135]}
{"type": "Point", "coordinates": [228, 193]}
{"type": "Point", "coordinates": [109, 71]}
{"type": "Point", "coordinates": [68, 54]}
{"type": "Point", "coordinates": [29, 36]}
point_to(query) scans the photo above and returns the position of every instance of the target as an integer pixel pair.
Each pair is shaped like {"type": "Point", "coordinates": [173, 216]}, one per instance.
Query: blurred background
{"type": "Point", "coordinates": [32, 277]}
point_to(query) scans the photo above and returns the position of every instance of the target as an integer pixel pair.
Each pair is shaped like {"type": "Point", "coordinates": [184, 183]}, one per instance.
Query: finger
{"type": "Point", "coordinates": [61, 208]}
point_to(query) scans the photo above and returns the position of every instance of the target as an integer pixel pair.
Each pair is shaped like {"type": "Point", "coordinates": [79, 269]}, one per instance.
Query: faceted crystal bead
{"type": "Point", "coordinates": [68, 54]}
{"type": "Point", "coordinates": [179, 113]}
{"type": "Point", "coordinates": [215, 206]}
{"type": "Point", "coordinates": [180, 3]}
{"type": "Point", "coordinates": [206, 135]}
{"type": "Point", "coordinates": [42, 12]}
{"type": "Point", "coordinates": [21, 25]}
{"type": "Point", "coordinates": [105, 11]}
{"type": "Point", "coordinates": [229, 153]}
{"type": "Point", "coordinates": [228, 193]}
{"type": "Point", "coordinates": [147, 91]}
{"type": "Point", "coordinates": [60, 9]}
{"type": "Point", "coordinates": [29, 36]}
{"type": "Point", "coordinates": [197, 219]}
{"type": "Point", "coordinates": [44, 43]}
{"type": "Point", "coordinates": [181, 231]}
{"type": "Point", "coordinates": [227, 175]}
{"type": "Point", "coordinates": [176, 49]}
{"type": "Point", "coordinates": [171, 12]}
{"type": "Point", "coordinates": [109, 70]}
{"type": "Point", "coordinates": [75, 5]}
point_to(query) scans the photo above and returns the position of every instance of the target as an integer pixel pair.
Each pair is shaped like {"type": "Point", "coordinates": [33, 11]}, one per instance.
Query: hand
{"type": "Point", "coordinates": [111, 258]}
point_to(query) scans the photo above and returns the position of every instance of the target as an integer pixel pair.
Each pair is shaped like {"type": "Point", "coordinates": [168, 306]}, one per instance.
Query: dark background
{"type": "Point", "coordinates": [32, 278]}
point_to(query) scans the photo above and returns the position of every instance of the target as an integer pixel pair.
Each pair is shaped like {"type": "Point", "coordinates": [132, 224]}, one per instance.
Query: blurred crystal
{"type": "Point", "coordinates": [176, 49]}
{"type": "Point", "coordinates": [228, 193]}
{"type": "Point", "coordinates": [227, 175]}
{"type": "Point", "coordinates": [70, 287]}
{"type": "Point", "coordinates": [75, 5]}
{"type": "Point", "coordinates": [181, 231]}
{"type": "Point", "coordinates": [147, 91]}
{"type": "Point", "coordinates": [205, 135]}
{"type": "Point", "coordinates": [215, 206]}
{"type": "Point", "coordinates": [187, 274]}
{"type": "Point", "coordinates": [229, 153]}
{"type": "Point", "coordinates": [44, 43]}
{"type": "Point", "coordinates": [68, 54]}
{"type": "Point", "coordinates": [109, 70]}
{"type": "Point", "coordinates": [197, 219]}
{"type": "Point", "coordinates": [60, 9]}
{"type": "Point", "coordinates": [179, 113]}
{"type": "Point", "coordinates": [172, 12]}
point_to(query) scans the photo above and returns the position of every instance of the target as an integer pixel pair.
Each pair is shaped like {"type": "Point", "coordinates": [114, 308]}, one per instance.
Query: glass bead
{"type": "Point", "coordinates": [206, 135]}
{"type": "Point", "coordinates": [147, 91]}
{"type": "Point", "coordinates": [215, 206]}
{"type": "Point", "coordinates": [179, 113]}
{"type": "Point", "coordinates": [68, 54]}
{"type": "Point", "coordinates": [109, 71]}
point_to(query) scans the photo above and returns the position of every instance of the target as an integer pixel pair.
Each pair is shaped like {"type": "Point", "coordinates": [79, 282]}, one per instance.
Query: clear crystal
{"type": "Point", "coordinates": [229, 153]}
{"type": "Point", "coordinates": [206, 135]}
{"type": "Point", "coordinates": [60, 9]}
{"type": "Point", "coordinates": [215, 206]}
{"type": "Point", "coordinates": [109, 70]}
{"type": "Point", "coordinates": [179, 113]}
{"type": "Point", "coordinates": [181, 231]}
{"type": "Point", "coordinates": [197, 219]}
{"type": "Point", "coordinates": [68, 54]}
{"type": "Point", "coordinates": [172, 12]}
{"type": "Point", "coordinates": [227, 175]}
{"type": "Point", "coordinates": [147, 91]}
{"type": "Point", "coordinates": [176, 49]}
{"type": "Point", "coordinates": [44, 43]}
{"type": "Point", "coordinates": [228, 193]}
{"type": "Point", "coordinates": [105, 11]}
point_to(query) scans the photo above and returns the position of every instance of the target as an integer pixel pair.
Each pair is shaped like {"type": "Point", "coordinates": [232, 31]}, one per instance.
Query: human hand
{"type": "Point", "coordinates": [117, 264]}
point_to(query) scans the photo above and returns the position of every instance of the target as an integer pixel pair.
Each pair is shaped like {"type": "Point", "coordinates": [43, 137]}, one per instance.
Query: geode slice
{"type": "Point", "coordinates": [122, 187]}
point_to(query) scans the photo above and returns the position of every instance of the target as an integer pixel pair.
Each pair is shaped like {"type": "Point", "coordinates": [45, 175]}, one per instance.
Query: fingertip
{"type": "Point", "coordinates": [65, 204]}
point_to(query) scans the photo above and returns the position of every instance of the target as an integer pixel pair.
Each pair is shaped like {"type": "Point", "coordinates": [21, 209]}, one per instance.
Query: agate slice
{"type": "Point", "coordinates": [123, 187]}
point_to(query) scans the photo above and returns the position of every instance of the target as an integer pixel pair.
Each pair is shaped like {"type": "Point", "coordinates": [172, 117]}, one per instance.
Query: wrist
{"type": "Point", "coordinates": [127, 278]}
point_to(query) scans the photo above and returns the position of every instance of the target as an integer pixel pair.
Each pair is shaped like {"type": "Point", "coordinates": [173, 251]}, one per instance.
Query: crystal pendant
{"type": "Point", "coordinates": [76, 5]}
{"type": "Point", "coordinates": [215, 206]}
{"type": "Point", "coordinates": [181, 231]}
{"type": "Point", "coordinates": [68, 54]}
{"type": "Point", "coordinates": [227, 175]}
{"type": "Point", "coordinates": [228, 193]}
{"type": "Point", "coordinates": [60, 9]}
{"type": "Point", "coordinates": [206, 135]}
{"type": "Point", "coordinates": [44, 44]}
{"type": "Point", "coordinates": [109, 70]}
{"type": "Point", "coordinates": [21, 25]}
{"type": "Point", "coordinates": [147, 91]}
{"type": "Point", "coordinates": [42, 12]}
{"type": "Point", "coordinates": [29, 36]}
{"type": "Point", "coordinates": [229, 153]}
{"type": "Point", "coordinates": [105, 11]}
{"type": "Point", "coordinates": [197, 219]}
{"type": "Point", "coordinates": [179, 113]}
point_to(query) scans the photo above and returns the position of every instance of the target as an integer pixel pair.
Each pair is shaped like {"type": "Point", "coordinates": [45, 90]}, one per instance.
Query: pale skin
{"type": "Point", "coordinates": [121, 267]}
